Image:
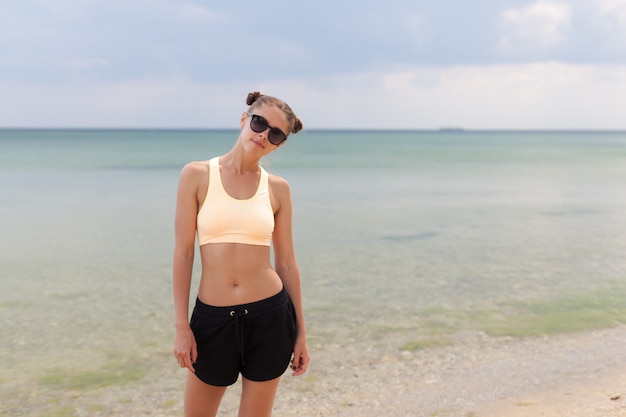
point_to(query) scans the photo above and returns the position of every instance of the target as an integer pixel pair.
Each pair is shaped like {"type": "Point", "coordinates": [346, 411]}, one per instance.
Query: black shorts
{"type": "Point", "coordinates": [254, 339]}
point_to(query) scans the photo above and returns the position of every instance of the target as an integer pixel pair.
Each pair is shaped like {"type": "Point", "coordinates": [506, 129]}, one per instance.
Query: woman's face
{"type": "Point", "coordinates": [258, 142]}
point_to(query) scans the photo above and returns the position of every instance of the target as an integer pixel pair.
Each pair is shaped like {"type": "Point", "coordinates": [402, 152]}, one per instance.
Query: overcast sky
{"type": "Point", "coordinates": [481, 64]}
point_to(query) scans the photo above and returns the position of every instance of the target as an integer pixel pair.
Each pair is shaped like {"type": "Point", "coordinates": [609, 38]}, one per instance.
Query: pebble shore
{"type": "Point", "coordinates": [580, 375]}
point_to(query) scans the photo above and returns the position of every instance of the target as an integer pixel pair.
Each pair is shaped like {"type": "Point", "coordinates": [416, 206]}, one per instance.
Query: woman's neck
{"type": "Point", "coordinates": [238, 161]}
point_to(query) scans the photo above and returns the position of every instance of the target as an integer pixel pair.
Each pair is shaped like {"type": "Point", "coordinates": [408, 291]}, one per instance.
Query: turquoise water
{"type": "Point", "coordinates": [388, 225]}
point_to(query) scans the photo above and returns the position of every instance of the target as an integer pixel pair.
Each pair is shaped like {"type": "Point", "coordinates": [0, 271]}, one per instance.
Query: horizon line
{"type": "Point", "coordinates": [399, 130]}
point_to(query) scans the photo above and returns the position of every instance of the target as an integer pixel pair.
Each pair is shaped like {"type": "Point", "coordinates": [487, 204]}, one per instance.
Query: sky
{"type": "Point", "coordinates": [340, 64]}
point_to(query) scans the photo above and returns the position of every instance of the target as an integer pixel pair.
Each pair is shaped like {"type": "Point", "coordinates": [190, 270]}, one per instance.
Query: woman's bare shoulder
{"type": "Point", "coordinates": [194, 173]}
{"type": "Point", "coordinates": [279, 184]}
{"type": "Point", "coordinates": [195, 168]}
{"type": "Point", "coordinates": [197, 165]}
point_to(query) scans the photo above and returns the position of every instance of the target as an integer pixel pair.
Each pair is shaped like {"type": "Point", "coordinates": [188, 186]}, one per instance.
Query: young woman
{"type": "Point", "coordinates": [248, 317]}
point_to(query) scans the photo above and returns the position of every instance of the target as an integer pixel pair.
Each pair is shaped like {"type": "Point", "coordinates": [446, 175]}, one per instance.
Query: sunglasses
{"type": "Point", "coordinates": [258, 124]}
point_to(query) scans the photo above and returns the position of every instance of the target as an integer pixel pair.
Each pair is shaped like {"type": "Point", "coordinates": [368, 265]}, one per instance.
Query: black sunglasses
{"type": "Point", "coordinates": [258, 124]}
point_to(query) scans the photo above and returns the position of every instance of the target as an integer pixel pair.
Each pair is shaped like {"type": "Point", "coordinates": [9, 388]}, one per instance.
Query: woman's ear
{"type": "Point", "coordinates": [242, 122]}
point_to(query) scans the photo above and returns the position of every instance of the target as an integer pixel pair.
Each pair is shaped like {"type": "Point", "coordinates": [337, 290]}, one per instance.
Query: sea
{"type": "Point", "coordinates": [411, 236]}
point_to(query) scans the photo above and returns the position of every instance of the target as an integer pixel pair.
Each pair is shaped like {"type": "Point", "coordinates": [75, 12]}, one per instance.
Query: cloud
{"type": "Point", "coordinates": [613, 6]}
{"type": "Point", "coordinates": [401, 64]}
{"type": "Point", "coordinates": [194, 11]}
{"type": "Point", "coordinates": [541, 25]}
{"type": "Point", "coordinates": [547, 95]}
{"type": "Point", "coordinates": [614, 11]}
{"type": "Point", "coordinates": [143, 102]}
{"type": "Point", "coordinates": [542, 95]}
{"type": "Point", "coordinates": [84, 63]}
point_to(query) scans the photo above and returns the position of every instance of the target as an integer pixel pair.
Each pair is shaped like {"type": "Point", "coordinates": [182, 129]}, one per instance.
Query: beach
{"type": "Point", "coordinates": [561, 376]}
{"type": "Point", "coordinates": [471, 274]}
{"type": "Point", "coordinates": [573, 375]}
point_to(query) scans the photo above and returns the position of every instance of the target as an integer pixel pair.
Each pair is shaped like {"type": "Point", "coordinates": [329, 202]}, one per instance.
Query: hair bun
{"type": "Point", "coordinates": [252, 97]}
{"type": "Point", "coordinates": [297, 126]}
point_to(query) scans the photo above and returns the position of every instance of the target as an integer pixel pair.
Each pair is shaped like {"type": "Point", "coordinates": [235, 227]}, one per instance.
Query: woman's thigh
{"type": "Point", "coordinates": [201, 399]}
{"type": "Point", "coordinates": [257, 398]}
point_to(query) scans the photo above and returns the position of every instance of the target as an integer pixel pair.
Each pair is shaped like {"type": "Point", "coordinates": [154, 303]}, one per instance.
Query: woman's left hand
{"type": "Point", "coordinates": [301, 358]}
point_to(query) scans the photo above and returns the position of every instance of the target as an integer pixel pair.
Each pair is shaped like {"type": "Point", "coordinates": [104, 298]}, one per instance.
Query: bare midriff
{"type": "Point", "coordinates": [235, 273]}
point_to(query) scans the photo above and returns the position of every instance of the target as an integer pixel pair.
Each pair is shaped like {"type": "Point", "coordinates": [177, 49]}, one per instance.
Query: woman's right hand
{"type": "Point", "coordinates": [185, 348]}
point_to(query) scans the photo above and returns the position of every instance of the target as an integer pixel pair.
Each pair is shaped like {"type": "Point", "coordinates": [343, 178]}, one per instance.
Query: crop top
{"type": "Point", "coordinates": [224, 219]}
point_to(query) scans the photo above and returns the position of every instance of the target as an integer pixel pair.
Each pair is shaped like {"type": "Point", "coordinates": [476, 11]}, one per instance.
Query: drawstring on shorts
{"type": "Point", "coordinates": [239, 316]}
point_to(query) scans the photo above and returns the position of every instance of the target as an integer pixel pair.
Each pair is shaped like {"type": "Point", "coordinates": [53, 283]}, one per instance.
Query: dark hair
{"type": "Point", "coordinates": [257, 99]}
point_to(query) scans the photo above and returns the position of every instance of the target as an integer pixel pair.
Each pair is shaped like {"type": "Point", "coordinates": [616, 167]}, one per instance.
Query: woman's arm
{"type": "Point", "coordinates": [185, 232]}
{"type": "Point", "coordinates": [287, 267]}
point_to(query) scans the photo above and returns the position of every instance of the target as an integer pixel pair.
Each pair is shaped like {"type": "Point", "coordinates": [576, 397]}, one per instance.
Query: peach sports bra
{"type": "Point", "coordinates": [224, 219]}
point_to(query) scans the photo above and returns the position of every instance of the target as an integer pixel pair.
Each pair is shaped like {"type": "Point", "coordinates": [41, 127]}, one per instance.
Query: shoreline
{"type": "Point", "coordinates": [563, 375]}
